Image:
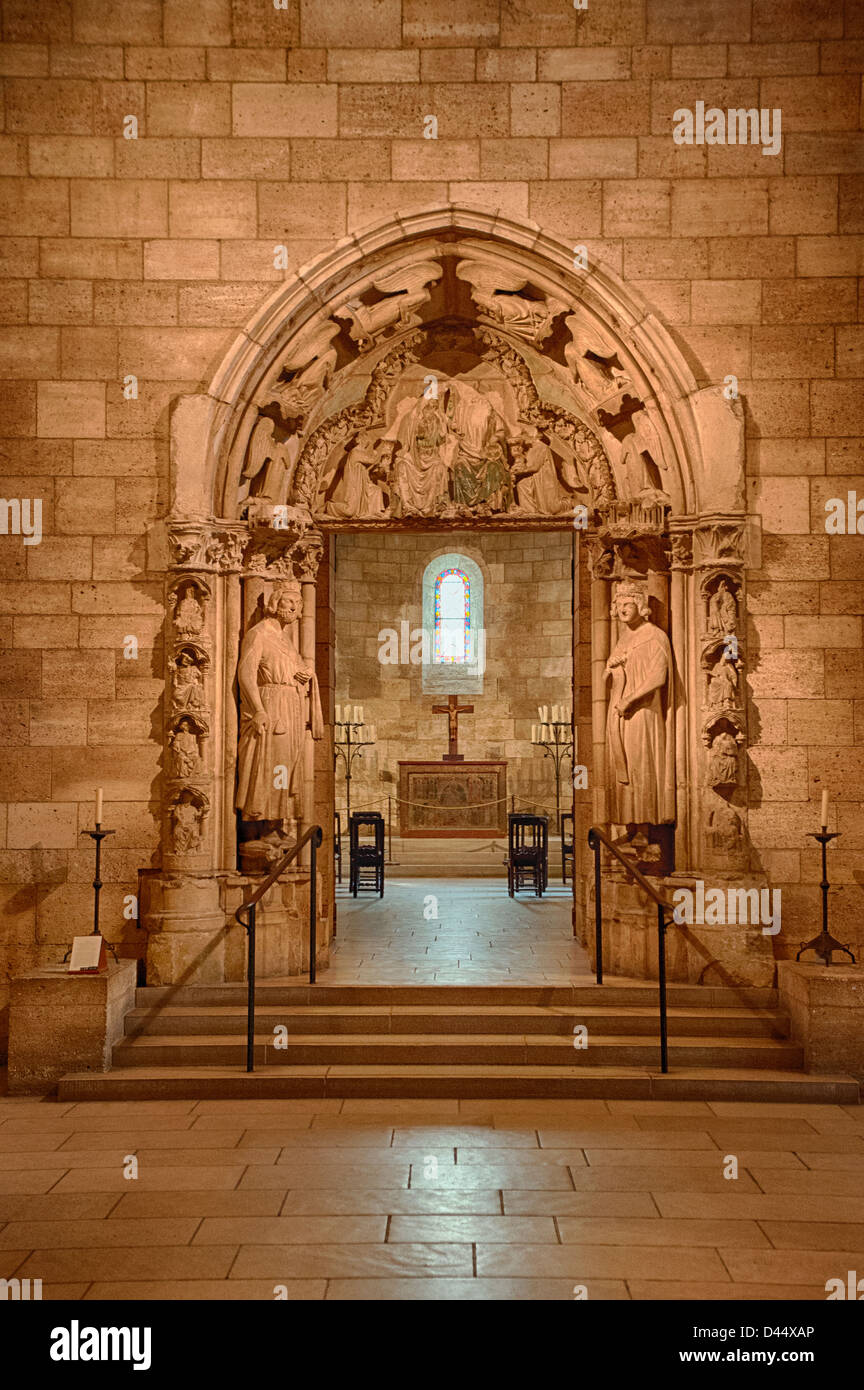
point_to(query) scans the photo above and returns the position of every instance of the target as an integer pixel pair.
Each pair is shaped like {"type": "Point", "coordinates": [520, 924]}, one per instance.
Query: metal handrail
{"type": "Point", "coordinates": [312, 836]}
{"type": "Point", "coordinates": [596, 837]}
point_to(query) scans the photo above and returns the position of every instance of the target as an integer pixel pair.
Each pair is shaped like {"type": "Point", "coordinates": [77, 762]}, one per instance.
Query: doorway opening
{"type": "Point", "coordinates": [455, 691]}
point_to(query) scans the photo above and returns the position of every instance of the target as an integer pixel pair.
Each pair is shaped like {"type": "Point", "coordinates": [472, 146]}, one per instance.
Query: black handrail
{"type": "Point", "coordinates": [596, 838]}
{"type": "Point", "coordinates": [313, 836]}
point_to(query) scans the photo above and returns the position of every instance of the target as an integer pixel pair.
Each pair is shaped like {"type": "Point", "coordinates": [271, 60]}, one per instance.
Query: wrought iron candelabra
{"type": "Point", "coordinates": [555, 737]}
{"type": "Point", "coordinates": [351, 737]}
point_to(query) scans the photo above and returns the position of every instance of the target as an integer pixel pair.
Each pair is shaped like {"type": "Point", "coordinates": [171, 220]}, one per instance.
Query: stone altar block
{"type": "Point", "coordinates": [448, 794]}
{"type": "Point", "coordinates": [60, 1022]}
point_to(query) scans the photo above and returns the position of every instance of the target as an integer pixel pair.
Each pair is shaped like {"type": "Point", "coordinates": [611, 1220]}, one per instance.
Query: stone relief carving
{"type": "Point", "coordinates": [719, 542]}
{"type": "Point", "coordinates": [188, 611]}
{"type": "Point", "coordinates": [592, 357]}
{"type": "Point", "coordinates": [197, 545]}
{"type": "Point", "coordinates": [723, 760]}
{"type": "Point", "coordinates": [187, 693]}
{"type": "Point", "coordinates": [305, 374]}
{"type": "Point", "coordinates": [187, 821]}
{"type": "Point", "coordinates": [494, 291]}
{"type": "Point", "coordinates": [723, 685]}
{"type": "Point", "coordinates": [185, 749]}
{"type": "Point", "coordinates": [722, 616]}
{"type": "Point", "coordinates": [268, 468]}
{"type": "Point", "coordinates": [725, 831]}
{"type": "Point", "coordinates": [680, 550]}
{"type": "Point", "coordinates": [405, 288]}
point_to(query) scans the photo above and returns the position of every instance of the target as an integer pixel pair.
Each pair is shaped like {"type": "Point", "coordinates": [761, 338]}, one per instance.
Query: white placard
{"type": "Point", "coordinates": [87, 954]}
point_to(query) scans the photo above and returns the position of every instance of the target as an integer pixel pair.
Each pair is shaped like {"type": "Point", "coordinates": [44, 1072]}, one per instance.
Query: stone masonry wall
{"type": "Point", "coordinates": [528, 653]}
{"type": "Point", "coordinates": [260, 126]}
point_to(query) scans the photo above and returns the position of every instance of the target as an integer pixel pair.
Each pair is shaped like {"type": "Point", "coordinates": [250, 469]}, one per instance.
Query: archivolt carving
{"type": "Point", "coordinates": [494, 292]}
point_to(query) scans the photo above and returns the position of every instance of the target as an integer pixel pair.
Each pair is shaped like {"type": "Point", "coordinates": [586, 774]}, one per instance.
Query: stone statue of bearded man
{"type": "Point", "coordinates": [279, 701]}
{"type": "Point", "coordinates": [639, 729]}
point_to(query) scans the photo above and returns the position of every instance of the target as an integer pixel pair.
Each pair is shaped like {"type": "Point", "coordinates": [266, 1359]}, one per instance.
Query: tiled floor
{"type": "Point", "coordinates": [422, 1200]}
{"type": "Point", "coordinates": [480, 935]}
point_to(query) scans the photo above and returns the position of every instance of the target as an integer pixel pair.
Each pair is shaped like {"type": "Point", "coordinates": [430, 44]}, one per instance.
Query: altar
{"type": "Point", "coordinates": [450, 800]}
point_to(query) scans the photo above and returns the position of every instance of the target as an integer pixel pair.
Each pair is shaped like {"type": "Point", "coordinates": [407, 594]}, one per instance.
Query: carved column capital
{"type": "Point", "coordinates": [719, 540]}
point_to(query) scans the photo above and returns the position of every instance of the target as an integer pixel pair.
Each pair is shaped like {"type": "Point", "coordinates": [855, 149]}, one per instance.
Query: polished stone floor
{"type": "Point", "coordinates": [479, 936]}
{"type": "Point", "coordinates": [484, 1200]}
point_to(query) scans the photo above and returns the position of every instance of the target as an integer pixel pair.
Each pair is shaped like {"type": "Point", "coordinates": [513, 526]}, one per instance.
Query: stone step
{"type": "Point", "coordinates": [468, 1082]}
{"type": "Point", "coordinates": [583, 993]}
{"type": "Point", "coordinates": [457, 1050]}
{"type": "Point", "coordinates": [633, 1020]}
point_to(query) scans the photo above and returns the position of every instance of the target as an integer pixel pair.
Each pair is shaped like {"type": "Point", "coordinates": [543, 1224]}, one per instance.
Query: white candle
{"type": "Point", "coordinates": [544, 714]}
{"type": "Point", "coordinates": [371, 733]}
{"type": "Point", "coordinates": [98, 805]}
{"type": "Point", "coordinates": [540, 713]}
{"type": "Point", "coordinates": [533, 733]}
{"type": "Point", "coordinates": [824, 810]}
{"type": "Point", "coordinates": [358, 713]}
{"type": "Point", "coordinates": [338, 714]}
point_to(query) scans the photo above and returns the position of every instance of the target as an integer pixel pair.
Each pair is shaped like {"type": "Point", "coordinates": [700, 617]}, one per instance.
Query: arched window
{"type": "Point", "coordinates": [454, 639]}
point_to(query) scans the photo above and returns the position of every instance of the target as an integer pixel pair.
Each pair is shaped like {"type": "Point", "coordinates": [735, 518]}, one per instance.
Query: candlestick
{"type": "Point", "coordinates": [97, 835]}
{"type": "Point", "coordinates": [824, 944]}
{"type": "Point", "coordinates": [824, 810]}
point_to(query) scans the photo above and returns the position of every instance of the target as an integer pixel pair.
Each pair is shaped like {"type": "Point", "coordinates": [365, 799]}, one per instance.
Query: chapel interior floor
{"type": "Point", "coordinates": [424, 1200]}
{"type": "Point", "coordinates": [481, 936]}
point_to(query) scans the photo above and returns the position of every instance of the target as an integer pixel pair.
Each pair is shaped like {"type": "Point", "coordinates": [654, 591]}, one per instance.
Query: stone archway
{"type": "Point", "coordinates": [562, 401]}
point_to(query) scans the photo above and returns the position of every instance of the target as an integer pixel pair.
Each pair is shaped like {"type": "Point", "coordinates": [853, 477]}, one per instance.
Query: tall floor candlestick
{"type": "Point", "coordinates": [825, 943]}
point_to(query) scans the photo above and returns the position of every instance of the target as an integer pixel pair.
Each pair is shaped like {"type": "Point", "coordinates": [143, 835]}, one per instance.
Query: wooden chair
{"type": "Point", "coordinates": [527, 853]}
{"type": "Point", "coordinates": [366, 859]}
{"type": "Point", "coordinates": [337, 845]}
{"type": "Point", "coordinates": [567, 847]}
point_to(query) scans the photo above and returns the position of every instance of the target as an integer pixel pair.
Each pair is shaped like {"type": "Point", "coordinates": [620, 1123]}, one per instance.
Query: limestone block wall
{"type": "Point", "coordinates": [259, 128]}
{"type": "Point", "coordinates": [528, 655]}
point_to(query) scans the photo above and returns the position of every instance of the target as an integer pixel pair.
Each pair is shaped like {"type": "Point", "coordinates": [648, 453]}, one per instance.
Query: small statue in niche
{"type": "Point", "coordinates": [722, 609]}
{"type": "Point", "coordinates": [188, 615]}
{"type": "Point", "coordinates": [188, 683]}
{"type": "Point", "coordinates": [723, 686]}
{"type": "Point", "coordinates": [184, 746]}
{"type": "Point", "coordinates": [723, 761]}
{"type": "Point", "coordinates": [186, 827]}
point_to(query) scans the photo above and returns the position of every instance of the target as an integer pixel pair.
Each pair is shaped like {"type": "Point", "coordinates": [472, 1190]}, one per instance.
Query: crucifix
{"type": "Point", "coordinates": [453, 709]}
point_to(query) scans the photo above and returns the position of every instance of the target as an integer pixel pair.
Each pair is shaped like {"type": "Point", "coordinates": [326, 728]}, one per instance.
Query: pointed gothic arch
{"type": "Point", "coordinates": [455, 368]}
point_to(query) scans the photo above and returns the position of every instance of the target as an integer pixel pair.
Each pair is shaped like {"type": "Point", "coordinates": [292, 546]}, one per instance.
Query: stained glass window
{"type": "Point", "coordinates": [452, 617]}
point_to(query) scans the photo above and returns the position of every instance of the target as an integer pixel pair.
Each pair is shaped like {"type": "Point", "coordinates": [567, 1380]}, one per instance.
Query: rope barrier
{"type": "Point", "coordinates": [452, 806]}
